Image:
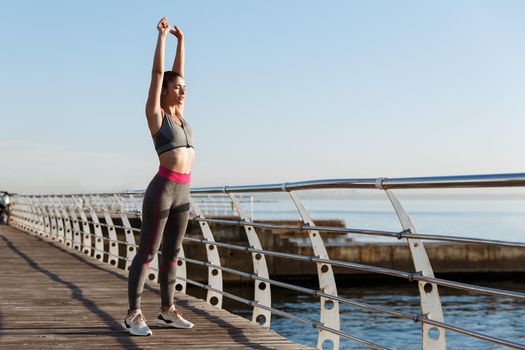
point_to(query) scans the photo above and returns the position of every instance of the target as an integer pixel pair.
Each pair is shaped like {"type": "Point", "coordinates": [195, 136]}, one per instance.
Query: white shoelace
{"type": "Point", "coordinates": [173, 311]}
{"type": "Point", "coordinates": [140, 316]}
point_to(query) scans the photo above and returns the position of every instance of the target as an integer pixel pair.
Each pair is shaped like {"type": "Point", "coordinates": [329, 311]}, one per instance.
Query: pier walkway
{"type": "Point", "coordinates": [52, 297]}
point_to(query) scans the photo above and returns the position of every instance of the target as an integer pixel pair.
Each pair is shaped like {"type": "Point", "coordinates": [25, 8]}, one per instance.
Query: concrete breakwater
{"type": "Point", "coordinates": [446, 258]}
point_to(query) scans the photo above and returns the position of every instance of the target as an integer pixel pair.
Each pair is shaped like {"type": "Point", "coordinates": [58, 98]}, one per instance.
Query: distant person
{"type": "Point", "coordinates": [4, 208]}
{"type": "Point", "coordinates": [166, 204]}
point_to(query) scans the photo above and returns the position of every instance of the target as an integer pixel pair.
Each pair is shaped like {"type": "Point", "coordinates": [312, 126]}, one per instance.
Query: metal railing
{"type": "Point", "coordinates": [73, 220]}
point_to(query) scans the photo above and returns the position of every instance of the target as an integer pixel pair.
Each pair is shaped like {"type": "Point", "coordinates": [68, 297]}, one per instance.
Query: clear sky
{"type": "Point", "coordinates": [277, 90]}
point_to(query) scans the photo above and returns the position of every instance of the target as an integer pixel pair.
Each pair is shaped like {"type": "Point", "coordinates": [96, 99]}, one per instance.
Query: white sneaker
{"type": "Point", "coordinates": [173, 318]}
{"type": "Point", "coordinates": [135, 324]}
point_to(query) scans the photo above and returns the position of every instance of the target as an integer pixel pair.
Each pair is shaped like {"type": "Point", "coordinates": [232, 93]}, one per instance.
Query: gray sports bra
{"type": "Point", "coordinates": [172, 135]}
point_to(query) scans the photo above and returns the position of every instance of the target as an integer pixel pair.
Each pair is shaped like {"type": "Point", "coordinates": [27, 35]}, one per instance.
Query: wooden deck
{"type": "Point", "coordinates": [55, 298]}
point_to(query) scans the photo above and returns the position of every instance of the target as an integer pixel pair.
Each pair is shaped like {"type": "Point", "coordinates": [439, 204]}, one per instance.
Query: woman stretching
{"type": "Point", "coordinates": [167, 199]}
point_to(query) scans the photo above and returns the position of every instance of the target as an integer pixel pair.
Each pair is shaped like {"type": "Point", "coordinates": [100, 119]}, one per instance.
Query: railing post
{"type": "Point", "coordinates": [112, 235]}
{"type": "Point", "coordinates": [433, 337]}
{"type": "Point", "coordinates": [47, 219]}
{"type": "Point", "coordinates": [32, 216]}
{"type": "Point", "coordinates": [86, 230]}
{"type": "Point", "coordinates": [212, 254]}
{"type": "Point", "coordinates": [58, 219]}
{"type": "Point", "coordinates": [77, 238]}
{"type": "Point", "coordinates": [53, 219]}
{"type": "Point", "coordinates": [16, 217]}
{"type": "Point", "coordinates": [67, 222]}
{"type": "Point", "coordinates": [29, 215]}
{"type": "Point", "coordinates": [58, 233]}
{"type": "Point", "coordinates": [23, 215]}
{"type": "Point", "coordinates": [99, 238]}
{"type": "Point", "coordinates": [40, 216]}
{"type": "Point", "coordinates": [131, 250]}
{"type": "Point", "coordinates": [325, 273]}
{"type": "Point", "coordinates": [260, 268]}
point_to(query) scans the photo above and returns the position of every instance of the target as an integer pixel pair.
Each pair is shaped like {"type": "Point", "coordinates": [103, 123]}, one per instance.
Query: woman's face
{"type": "Point", "coordinates": [175, 92]}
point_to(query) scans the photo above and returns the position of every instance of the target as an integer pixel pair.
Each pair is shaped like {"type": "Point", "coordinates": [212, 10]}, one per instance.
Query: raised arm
{"type": "Point", "coordinates": [178, 63]}
{"type": "Point", "coordinates": [153, 109]}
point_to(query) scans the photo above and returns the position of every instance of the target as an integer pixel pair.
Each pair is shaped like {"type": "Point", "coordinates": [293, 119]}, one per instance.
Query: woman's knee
{"type": "Point", "coordinates": [168, 265]}
{"type": "Point", "coordinates": [145, 258]}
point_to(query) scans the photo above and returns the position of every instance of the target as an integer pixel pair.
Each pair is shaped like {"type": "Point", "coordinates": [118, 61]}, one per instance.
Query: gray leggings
{"type": "Point", "coordinates": [165, 212]}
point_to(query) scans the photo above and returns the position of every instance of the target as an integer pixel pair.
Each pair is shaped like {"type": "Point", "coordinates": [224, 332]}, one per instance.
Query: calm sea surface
{"type": "Point", "coordinates": [502, 219]}
{"type": "Point", "coordinates": [499, 317]}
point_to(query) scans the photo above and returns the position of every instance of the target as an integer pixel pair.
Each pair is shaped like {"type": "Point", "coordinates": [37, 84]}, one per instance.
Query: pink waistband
{"type": "Point", "coordinates": [174, 175]}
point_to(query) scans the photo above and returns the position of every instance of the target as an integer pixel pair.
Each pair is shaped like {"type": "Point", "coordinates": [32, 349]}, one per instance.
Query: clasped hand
{"type": "Point", "coordinates": [164, 27]}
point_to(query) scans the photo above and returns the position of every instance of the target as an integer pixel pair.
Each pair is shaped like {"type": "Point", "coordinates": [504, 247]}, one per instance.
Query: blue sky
{"type": "Point", "coordinates": [277, 90]}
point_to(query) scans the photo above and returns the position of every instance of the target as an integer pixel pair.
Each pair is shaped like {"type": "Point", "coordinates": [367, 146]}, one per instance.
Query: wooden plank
{"type": "Point", "coordinates": [54, 297]}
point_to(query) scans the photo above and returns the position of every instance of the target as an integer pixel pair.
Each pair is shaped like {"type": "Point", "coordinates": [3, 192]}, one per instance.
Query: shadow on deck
{"type": "Point", "coordinates": [52, 297]}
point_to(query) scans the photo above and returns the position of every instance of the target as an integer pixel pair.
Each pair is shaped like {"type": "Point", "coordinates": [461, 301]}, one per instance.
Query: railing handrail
{"type": "Point", "coordinates": [457, 181]}
{"type": "Point", "coordinates": [452, 181]}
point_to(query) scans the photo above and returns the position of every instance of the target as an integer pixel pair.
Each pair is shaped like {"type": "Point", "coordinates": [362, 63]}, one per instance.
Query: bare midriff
{"type": "Point", "coordinates": [179, 159]}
